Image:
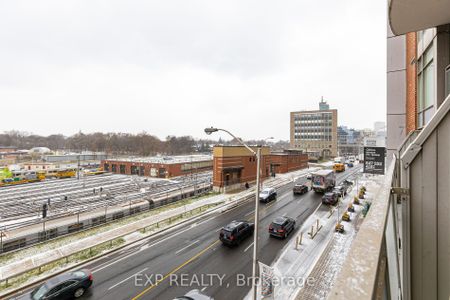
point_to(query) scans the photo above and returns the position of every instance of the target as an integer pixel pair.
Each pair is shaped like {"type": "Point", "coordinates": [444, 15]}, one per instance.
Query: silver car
{"type": "Point", "coordinates": [267, 195]}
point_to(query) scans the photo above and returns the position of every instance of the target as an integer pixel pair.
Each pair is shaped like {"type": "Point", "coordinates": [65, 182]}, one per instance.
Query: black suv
{"type": "Point", "coordinates": [300, 189]}
{"type": "Point", "coordinates": [65, 286]}
{"type": "Point", "coordinates": [235, 232]}
{"type": "Point", "coordinates": [330, 198]}
{"type": "Point", "coordinates": [281, 227]}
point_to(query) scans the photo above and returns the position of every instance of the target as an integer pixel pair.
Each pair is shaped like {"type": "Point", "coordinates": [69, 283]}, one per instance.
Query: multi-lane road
{"type": "Point", "coordinates": [192, 257]}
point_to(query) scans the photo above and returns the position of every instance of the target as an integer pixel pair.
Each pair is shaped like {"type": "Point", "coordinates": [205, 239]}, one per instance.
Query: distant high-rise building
{"type": "Point", "coordinates": [349, 141]}
{"type": "Point", "coordinates": [379, 126]}
{"type": "Point", "coordinates": [323, 105]}
{"type": "Point", "coordinates": [315, 132]}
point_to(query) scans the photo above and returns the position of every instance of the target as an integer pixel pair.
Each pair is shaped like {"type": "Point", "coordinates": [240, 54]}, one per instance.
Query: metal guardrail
{"type": "Point", "coordinates": [90, 248]}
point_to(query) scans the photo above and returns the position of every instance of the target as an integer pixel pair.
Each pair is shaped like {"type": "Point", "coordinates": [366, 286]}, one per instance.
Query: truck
{"type": "Point", "coordinates": [323, 181]}
{"type": "Point", "coordinates": [339, 167]}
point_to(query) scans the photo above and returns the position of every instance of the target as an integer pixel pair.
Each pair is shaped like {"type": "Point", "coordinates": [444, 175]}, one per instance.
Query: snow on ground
{"type": "Point", "coordinates": [21, 220]}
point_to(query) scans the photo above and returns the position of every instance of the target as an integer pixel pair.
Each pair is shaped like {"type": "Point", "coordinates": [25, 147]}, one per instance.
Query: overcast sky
{"type": "Point", "coordinates": [174, 67]}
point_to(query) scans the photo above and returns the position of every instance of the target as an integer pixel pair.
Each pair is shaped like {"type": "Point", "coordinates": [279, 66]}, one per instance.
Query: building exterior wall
{"type": "Point", "coordinates": [429, 226]}
{"type": "Point", "coordinates": [396, 92]}
{"type": "Point", "coordinates": [155, 169]}
{"type": "Point", "coordinates": [7, 149]}
{"type": "Point", "coordinates": [235, 165]}
{"type": "Point", "coordinates": [311, 131]}
{"type": "Point", "coordinates": [411, 82]}
{"type": "Point", "coordinates": [75, 157]}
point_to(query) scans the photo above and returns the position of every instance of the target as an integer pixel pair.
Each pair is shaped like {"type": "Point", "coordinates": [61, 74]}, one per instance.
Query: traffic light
{"type": "Point", "coordinates": [44, 210]}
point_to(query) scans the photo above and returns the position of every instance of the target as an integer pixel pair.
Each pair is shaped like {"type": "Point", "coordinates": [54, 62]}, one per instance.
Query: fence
{"type": "Point", "coordinates": [65, 259]}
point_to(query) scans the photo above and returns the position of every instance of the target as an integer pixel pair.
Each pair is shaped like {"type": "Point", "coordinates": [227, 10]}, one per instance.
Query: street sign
{"type": "Point", "coordinates": [374, 160]}
{"type": "Point", "coordinates": [266, 280]}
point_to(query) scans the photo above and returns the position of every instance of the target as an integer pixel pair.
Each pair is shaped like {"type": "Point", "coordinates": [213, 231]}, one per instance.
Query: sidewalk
{"type": "Point", "coordinates": [311, 257]}
{"type": "Point", "coordinates": [332, 259]}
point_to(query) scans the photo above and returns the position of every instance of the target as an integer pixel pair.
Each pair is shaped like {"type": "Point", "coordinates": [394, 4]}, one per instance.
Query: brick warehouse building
{"type": "Point", "coordinates": [235, 165]}
{"type": "Point", "coordinates": [159, 166]}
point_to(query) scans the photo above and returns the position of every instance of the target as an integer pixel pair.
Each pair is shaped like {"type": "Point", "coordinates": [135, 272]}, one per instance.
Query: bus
{"type": "Point", "coordinates": [323, 181]}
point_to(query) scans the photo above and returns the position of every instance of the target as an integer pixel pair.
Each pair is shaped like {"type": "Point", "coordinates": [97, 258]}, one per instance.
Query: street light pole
{"type": "Point", "coordinates": [255, 241]}
{"type": "Point", "coordinates": [255, 235]}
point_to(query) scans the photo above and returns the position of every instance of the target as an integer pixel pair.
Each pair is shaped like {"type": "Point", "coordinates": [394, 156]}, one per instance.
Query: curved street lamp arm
{"type": "Point", "coordinates": [239, 140]}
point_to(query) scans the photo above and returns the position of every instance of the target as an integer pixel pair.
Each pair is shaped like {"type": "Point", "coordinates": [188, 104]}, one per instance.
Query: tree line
{"type": "Point", "coordinates": [143, 143]}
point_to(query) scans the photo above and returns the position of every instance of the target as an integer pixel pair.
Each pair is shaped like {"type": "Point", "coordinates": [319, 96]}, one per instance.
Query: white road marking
{"type": "Point", "coordinates": [127, 279]}
{"type": "Point", "coordinates": [146, 246]}
{"type": "Point", "coordinates": [193, 243]}
{"type": "Point", "coordinates": [134, 253]}
{"type": "Point", "coordinates": [248, 247]}
{"type": "Point", "coordinates": [203, 289]}
{"type": "Point", "coordinates": [217, 230]}
{"type": "Point", "coordinates": [250, 213]}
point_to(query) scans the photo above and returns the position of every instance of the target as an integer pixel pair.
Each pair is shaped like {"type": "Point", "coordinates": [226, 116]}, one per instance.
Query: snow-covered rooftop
{"type": "Point", "coordinates": [165, 159]}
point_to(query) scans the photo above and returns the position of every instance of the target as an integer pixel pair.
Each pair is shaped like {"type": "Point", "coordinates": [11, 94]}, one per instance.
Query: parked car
{"type": "Point", "coordinates": [309, 176]}
{"type": "Point", "coordinates": [330, 198]}
{"type": "Point", "coordinates": [350, 165]}
{"type": "Point", "coordinates": [235, 232]}
{"type": "Point", "coordinates": [300, 189]}
{"type": "Point", "coordinates": [65, 286]}
{"type": "Point", "coordinates": [282, 227]}
{"type": "Point", "coordinates": [194, 295]}
{"type": "Point", "coordinates": [267, 194]}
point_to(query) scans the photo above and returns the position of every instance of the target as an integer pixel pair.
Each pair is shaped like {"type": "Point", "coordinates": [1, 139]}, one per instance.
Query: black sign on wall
{"type": "Point", "coordinates": [374, 158]}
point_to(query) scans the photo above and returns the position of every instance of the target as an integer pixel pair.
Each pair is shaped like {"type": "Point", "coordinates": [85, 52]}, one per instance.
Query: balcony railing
{"type": "Point", "coordinates": [402, 248]}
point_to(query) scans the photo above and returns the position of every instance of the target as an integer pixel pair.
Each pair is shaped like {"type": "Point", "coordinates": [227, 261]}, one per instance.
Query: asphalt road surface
{"type": "Point", "coordinates": [192, 257]}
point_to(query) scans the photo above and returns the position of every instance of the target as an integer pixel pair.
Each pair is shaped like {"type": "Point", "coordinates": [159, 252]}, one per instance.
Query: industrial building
{"type": "Point", "coordinates": [315, 131]}
{"type": "Point", "coordinates": [74, 157]}
{"type": "Point", "coordinates": [159, 166]}
{"type": "Point", "coordinates": [234, 166]}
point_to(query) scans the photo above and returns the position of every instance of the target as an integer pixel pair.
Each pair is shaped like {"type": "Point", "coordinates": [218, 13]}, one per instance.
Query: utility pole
{"type": "Point", "coordinates": [78, 168]}
{"type": "Point", "coordinates": [255, 243]}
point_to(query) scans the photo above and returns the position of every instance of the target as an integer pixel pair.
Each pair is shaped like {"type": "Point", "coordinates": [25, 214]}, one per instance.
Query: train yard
{"type": "Point", "coordinates": [23, 204]}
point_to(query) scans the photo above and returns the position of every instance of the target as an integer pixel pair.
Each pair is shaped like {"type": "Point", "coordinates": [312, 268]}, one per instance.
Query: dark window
{"type": "Point", "coordinates": [122, 169]}
{"type": "Point", "coordinates": [134, 170]}
{"type": "Point", "coordinates": [114, 168]}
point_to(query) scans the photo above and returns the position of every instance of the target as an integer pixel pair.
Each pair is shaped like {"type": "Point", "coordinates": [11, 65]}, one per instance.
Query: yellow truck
{"type": "Point", "coordinates": [339, 167]}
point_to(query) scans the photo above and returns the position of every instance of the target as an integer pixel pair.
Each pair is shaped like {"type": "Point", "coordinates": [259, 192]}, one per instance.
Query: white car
{"type": "Point", "coordinates": [194, 295]}
{"type": "Point", "coordinates": [267, 195]}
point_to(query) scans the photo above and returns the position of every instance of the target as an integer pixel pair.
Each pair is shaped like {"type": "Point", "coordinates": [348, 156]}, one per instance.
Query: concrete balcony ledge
{"type": "Point", "coordinates": [359, 278]}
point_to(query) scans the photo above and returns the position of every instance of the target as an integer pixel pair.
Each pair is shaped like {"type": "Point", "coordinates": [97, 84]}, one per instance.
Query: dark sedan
{"type": "Point", "coordinates": [300, 189]}
{"type": "Point", "coordinates": [69, 285]}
